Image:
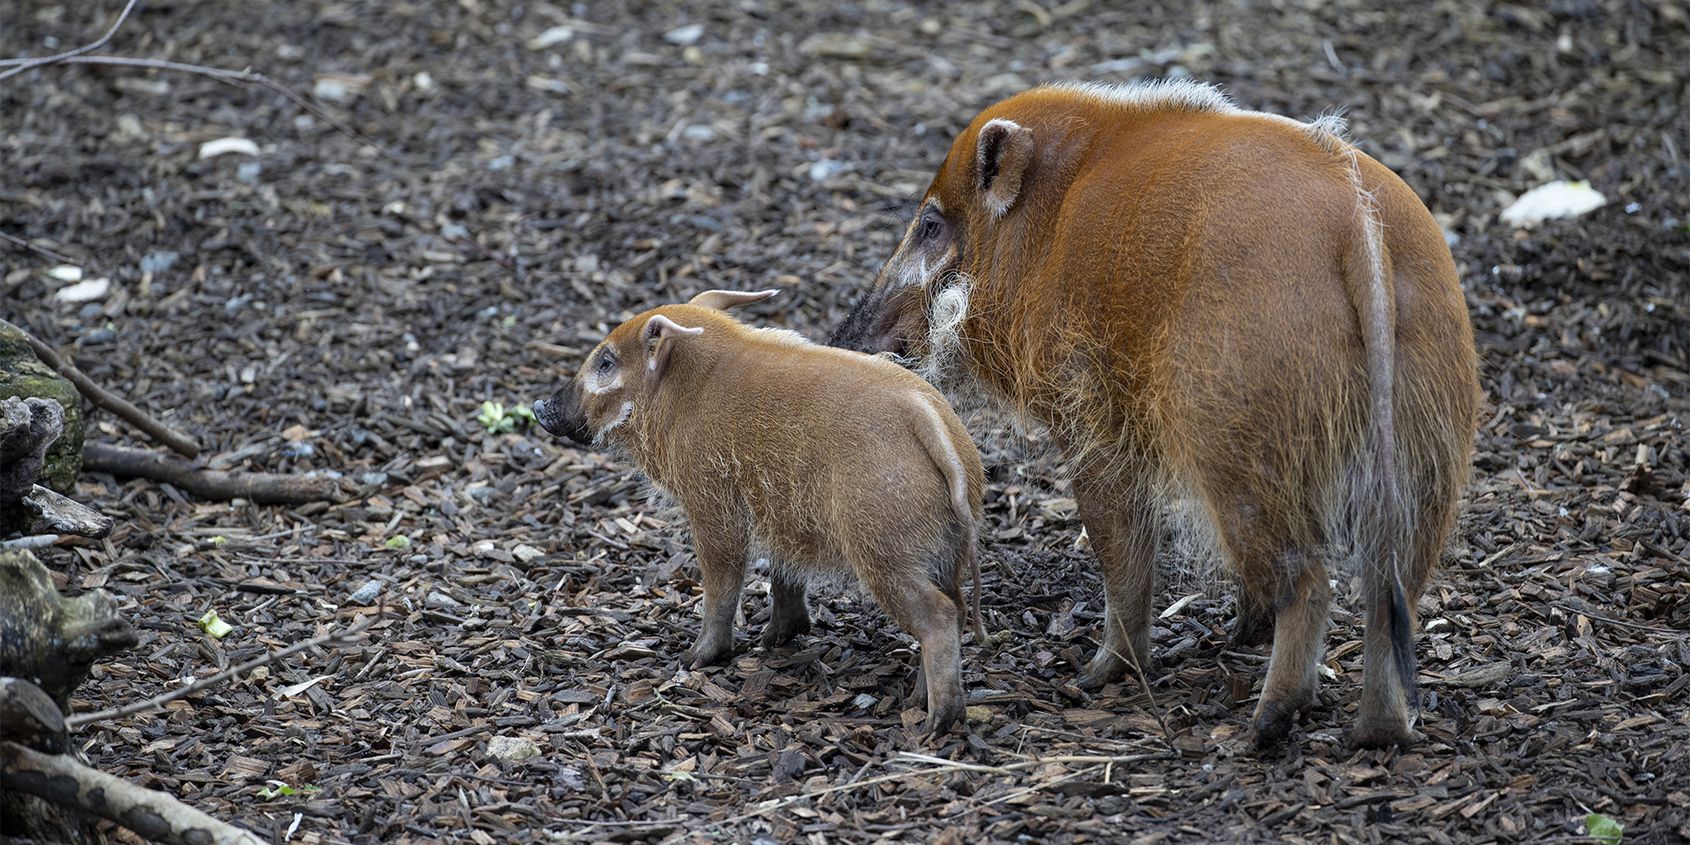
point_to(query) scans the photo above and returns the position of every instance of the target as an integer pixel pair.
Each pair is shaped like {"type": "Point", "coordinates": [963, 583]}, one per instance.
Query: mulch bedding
{"type": "Point", "coordinates": [344, 305]}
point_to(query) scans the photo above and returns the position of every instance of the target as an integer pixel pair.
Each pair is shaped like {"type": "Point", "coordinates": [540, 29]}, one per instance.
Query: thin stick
{"type": "Point", "coordinates": [65, 782]}
{"type": "Point", "coordinates": [157, 701]}
{"type": "Point", "coordinates": [1031, 789]}
{"type": "Point", "coordinates": [41, 250]}
{"type": "Point", "coordinates": [78, 57]}
{"type": "Point", "coordinates": [1032, 762]}
{"type": "Point", "coordinates": [1155, 709]}
{"type": "Point", "coordinates": [25, 64]}
{"type": "Point", "coordinates": [176, 440]}
{"type": "Point", "coordinates": [952, 764]}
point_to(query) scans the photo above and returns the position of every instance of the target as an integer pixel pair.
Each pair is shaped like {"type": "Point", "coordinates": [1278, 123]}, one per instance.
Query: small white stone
{"type": "Point", "coordinates": [681, 36]}
{"type": "Point", "coordinates": [1555, 199]}
{"type": "Point", "coordinates": [551, 38]}
{"type": "Point", "coordinates": [223, 146]}
{"type": "Point", "coordinates": [89, 291]}
{"type": "Point", "coordinates": [512, 749]}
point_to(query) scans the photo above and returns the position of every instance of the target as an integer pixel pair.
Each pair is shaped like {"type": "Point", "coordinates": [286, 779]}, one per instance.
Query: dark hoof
{"type": "Point", "coordinates": [1382, 733]}
{"type": "Point", "coordinates": [1273, 724]}
{"type": "Point", "coordinates": [940, 721]}
{"type": "Point", "coordinates": [699, 656]}
{"type": "Point", "coordinates": [779, 633]}
{"type": "Point", "coordinates": [1095, 678]}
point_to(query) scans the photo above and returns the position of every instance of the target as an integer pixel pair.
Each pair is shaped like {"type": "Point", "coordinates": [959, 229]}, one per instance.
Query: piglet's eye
{"type": "Point", "coordinates": [605, 364]}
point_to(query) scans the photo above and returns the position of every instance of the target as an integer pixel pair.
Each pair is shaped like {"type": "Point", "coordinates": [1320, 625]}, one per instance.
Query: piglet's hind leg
{"type": "Point", "coordinates": [923, 609]}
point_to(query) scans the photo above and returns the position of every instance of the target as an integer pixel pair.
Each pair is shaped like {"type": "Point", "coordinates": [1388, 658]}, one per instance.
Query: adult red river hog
{"type": "Point", "coordinates": [1210, 304]}
{"type": "Point", "coordinates": [830, 461]}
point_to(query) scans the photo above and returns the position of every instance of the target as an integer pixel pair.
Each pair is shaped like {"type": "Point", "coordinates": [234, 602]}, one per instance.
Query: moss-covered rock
{"type": "Point", "coordinates": [21, 374]}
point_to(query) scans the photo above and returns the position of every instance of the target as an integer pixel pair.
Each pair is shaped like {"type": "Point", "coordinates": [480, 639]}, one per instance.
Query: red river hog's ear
{"type": "Point", "coordinates": [660, 333]}
{"type": "Point", "coordinates": [1005, 150]}
{"type": "Point", "coordinates": [722, 300]}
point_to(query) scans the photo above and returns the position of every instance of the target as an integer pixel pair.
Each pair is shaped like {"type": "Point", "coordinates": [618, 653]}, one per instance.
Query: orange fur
{"type": "Point", "coordinates": [832, 461]}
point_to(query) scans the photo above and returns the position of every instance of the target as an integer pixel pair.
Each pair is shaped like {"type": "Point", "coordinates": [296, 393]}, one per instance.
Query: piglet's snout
{"type": "Point", "coordinates": [561, 415]}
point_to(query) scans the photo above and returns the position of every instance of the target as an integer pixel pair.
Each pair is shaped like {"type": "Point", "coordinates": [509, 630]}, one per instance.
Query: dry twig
{"type": "Point", "coordinates": [78, 56]}
{"type": "Point", "coordinates": [21, 65]}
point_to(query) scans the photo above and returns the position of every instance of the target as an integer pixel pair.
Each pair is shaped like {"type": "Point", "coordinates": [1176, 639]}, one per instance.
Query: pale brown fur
{"type": "Point", "coordinates": [832, 461]}
{"type": "Point", "coordinates": [1203, 301]}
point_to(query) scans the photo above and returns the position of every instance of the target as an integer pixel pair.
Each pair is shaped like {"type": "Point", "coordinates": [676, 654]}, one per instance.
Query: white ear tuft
{"type": "Point", "coordinates": [660, 326]}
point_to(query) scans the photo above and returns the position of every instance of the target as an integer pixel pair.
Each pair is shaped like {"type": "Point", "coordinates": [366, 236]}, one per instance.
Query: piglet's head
{"type": "Point", "coordinates": [626, 367]}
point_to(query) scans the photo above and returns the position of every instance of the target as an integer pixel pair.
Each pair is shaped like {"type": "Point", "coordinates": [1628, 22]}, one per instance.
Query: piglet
{"type": "Point", "coordinates": [830, 461]}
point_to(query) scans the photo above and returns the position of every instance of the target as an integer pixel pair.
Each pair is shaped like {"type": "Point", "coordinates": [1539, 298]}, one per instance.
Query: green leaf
{"type": "Point", "coordinates": [218, 541]}
{"type": "Point", "coordinates": [1604, 829]}
{"type": "Point", "coordinates": [398, 541]}
{"type": "Point", "coordinates": [279, 789]}
{"type": "Point", "coordinates": [214, 625]}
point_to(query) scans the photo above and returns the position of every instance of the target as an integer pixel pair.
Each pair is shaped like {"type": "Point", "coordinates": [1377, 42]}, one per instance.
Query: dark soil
{"type": "Point", "coordinates": [344, 305]}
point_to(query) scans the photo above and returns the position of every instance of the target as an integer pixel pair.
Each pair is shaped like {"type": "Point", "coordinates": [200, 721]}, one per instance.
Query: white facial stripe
{"type": "Point", "coordinates": [595, 387]}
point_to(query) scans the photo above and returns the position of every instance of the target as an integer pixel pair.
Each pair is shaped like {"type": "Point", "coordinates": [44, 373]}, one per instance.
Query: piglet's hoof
{"type": "Point", "coordinates": [941, 720]}
{"type": "Point", "coordinates": [705, 654]}
{"type": "Point", "coordinates": [1100, 673]}
{"type": "Point", "coordinates": [1382, 733]}
{"type": "Point", "coordinates": [1273, 724]}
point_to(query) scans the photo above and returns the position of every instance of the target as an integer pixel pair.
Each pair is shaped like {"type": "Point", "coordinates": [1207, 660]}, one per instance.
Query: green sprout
{"type": "Point", "coordinates": [398, 542]}
{"type": "Point", "coordinates": [497, 420]}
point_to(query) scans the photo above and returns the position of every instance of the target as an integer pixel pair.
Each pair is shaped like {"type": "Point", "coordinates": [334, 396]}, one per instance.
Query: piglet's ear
{"type": "Point", "coordinates": [660, 333]}
{"type": "Point", "coordinates": [1005, 150]}
{"type": "Point", "coordinates": [722, 300]}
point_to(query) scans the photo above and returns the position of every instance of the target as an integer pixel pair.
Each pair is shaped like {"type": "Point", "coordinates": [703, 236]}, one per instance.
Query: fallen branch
{"type": "Point", "coordinates": [176, 440]}
{"type": "Point", "coordinates": [261, 487]}
{"type": "Point", "coordinates": [157, 701]}
{"type": "Point", "coordinates": [62, 780]}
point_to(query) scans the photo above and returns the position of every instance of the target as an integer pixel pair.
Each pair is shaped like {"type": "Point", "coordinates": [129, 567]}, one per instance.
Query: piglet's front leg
{"type": "Point", "coordinates": [721, 559]}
